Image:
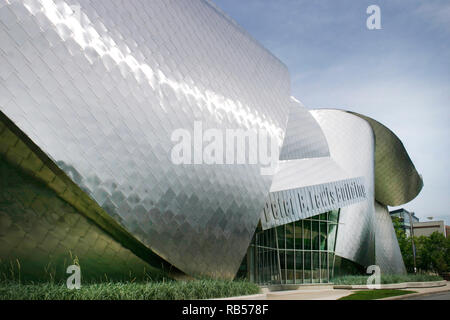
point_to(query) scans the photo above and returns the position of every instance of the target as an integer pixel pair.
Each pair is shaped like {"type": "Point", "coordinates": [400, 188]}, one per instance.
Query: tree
{"type": "Point", "coordinates": [432, 252]}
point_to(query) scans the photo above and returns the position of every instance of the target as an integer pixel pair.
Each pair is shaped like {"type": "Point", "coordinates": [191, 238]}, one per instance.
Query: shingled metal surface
{"type": "Point", "coordinates": [304, 138]}
{"type": "Point", "coordinates": [396, 179]}
{"type": "Point", "coordinates": [387, 251]}
{"type": "Point", "coordinates": [100, 86]}
{"type": "Point", "coordinates": [352, 146]}
{"type": "Point", "coordinates": [41, 232]}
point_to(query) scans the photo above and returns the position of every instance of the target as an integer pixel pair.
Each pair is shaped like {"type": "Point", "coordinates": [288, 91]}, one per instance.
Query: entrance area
{"type": "Point", "coordinates": [300, 252]}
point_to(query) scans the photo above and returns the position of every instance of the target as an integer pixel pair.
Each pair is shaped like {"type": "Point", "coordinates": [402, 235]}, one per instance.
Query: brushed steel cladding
{"type": "Point", "coordinates": [387, 251]}
{"type": "Point", "coordinates": [48, 221]}
{"type": "Point", "coordinates": [100, 86]}
{"type": "Point", "coordinates": [304, 137]}
{"type": "Point", "coordinates": [41, 234]}
{"type": "Point", "coordinates": [352, 146]}
{"type": "Point", "coordinates": [396, 179]}
{"type": "Point", "coordinates": [307, 181]}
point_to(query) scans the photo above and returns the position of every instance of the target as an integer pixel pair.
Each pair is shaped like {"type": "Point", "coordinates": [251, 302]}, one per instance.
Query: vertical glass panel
{"type": "Point", "coordinates": [308, 267]}
{"type": "Point", "coordinates": [323, 216]}
{"type": "Point", "coordinates": [290, 267]}
{"type": "Point", "coordinates": [331, 236]}
{"type": "Point", "coordinates": [298, 235]}
{"type": "Point", "coordinates": [324, 267]}
{"type": "Point", "coordinates": [281, 237]}
{"type": "Point", "coordinates": [331, 265]}
{"type": "Point", "coordinates": [333, 216]}
{"type": "Point", "coordinates": [290, 236]}
{"type": "Point", "coordinates": [316, 270]}
{"type": "Point", "coordinates": [307, 234]}
{"type": "Point", "coordinates": [299, 266]}
{"type": "Point", "coordinates": [282, 265]}
{"type": "Point", "coordinates": [315, 235]}
{"type": "Point", "coordinates": [323, 235]}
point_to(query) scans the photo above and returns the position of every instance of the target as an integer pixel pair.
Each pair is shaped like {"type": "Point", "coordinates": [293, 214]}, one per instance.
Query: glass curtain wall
{"type": "Point", "coordinates": [300, 252]}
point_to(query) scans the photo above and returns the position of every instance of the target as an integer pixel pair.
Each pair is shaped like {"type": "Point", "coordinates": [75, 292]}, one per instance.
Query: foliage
{"type": "Point", "coordinates": [386, 278]}
{"type": "Point", "coordinates": [432, 252]}
{"type": "Point", "coordinates": [375, 294]}
{"type": "Point", "coordinates": [167, 290]}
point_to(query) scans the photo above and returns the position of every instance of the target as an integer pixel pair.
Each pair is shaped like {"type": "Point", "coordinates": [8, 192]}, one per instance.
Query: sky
{"type": "Point", "coordinates": [398, 75]}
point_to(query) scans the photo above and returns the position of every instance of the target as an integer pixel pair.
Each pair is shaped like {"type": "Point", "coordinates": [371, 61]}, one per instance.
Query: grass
{"type": "Point", "coordinates": [376, 294]}
{"type": "Point", "coordinates": [167, 290]}
{"type": "Point", "coordinates": [385, 279]}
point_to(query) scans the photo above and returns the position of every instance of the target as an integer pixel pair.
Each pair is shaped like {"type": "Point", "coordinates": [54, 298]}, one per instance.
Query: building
{"type": "Point", "coordinates": [426, 228]}
{"type": "Point", "coordinates": [405, 217]}
{"type": "Point", "coordinates": [94, 97]}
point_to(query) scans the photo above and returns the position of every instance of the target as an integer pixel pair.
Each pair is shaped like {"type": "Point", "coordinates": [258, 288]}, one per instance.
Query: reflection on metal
{"type": "Point", "coordinates": [101, 95]}
{"type": "Point", "coordinates": [304, 138]}
{"type": "Point", "coordinates": [363, 146]}
{"type": "Point", "coordinates": [387, 251]}
{"type": "Point", "coordinates": [352, 147]}
{"type": "Point", "coordinates": [396, 179]}
{"type": "Point", "coordinates": [45, 227]}
{"type": "Point", "coordinates": [89, 102]}
{"type": "Point", "coordinates": [308, 181]}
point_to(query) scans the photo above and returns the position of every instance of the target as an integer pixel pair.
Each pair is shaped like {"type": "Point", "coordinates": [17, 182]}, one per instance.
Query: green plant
{"type": "Point", "coordinates": [165, 290]}
{"type": "Point", "coordinates": [375, 294]}
{"type": "Point", "coordinates": [388, 278]}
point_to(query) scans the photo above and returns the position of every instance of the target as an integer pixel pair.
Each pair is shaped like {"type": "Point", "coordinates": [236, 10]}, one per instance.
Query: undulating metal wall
{"type": "Point", "coordinates": [304, 138]}
{"type": "Point", "coordinates": [352, 146]}
{"type": "Point", "coordinates": [387, 251]}
{"type": "Point", "coordinates": [396, 179]}
{"type": "Point", "coordinates": [100, 86]}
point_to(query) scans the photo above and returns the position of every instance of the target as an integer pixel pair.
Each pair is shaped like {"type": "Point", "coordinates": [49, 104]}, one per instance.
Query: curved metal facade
{"type": "Point", "coordinates": [396, 179]}
{"type": "Point", "coordinates": [304, 138]}
{"type": "Point", "coordinates": [90, 94]}
{"type": "Point", "coordinates": [387, 250]}
{"type": "Point", "coordinates": [352, 146]}
{"type": "Point", "coordinates": [366, 234]}
{"type": "Point", "coordinates": [101, 96]}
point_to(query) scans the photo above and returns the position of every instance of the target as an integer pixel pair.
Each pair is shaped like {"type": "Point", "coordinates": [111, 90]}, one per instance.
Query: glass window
{"type": "Point", "coordinates": [281, 237]}
{"type": "Point", "coordinates": [307, 234]}
{"type": "Point", "coordinates": [315, 235]}
{"type": "Point", "coordinates": [323, 235]}
{"type": "Point", "coordinates": [298, 235]}
{"type": "Point", "coordinates": [333, 216]}
{"type": "Point", "coordinates": [290, 236]}
{"type": "Point", "coordinates": [308, 273]}
{"type": "Point", "coordinates": [299, 266]}
{"type": "Point", "coordinates": [324, 267]}
{"type": "Point", "coordinates": [331, 236]}
{"type": "Point", "coordinates": [289, 267]}
{"type": "Point", "coordinates": [315, 267]}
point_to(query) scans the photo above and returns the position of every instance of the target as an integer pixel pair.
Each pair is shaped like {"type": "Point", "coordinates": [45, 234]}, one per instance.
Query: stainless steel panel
{"type": "Point", "coordinates": [101, 95]}
{"type": "Point", "coordinates": [387, 251]}
{"type": "Point", "coordinates": [304, 137]}
{"type": "Point", "coordinates": [352, 146]}
{"type": "Point", "coordinates": [396, 179]}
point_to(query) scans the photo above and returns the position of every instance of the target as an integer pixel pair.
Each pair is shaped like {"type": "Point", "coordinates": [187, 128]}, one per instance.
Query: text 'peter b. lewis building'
{"type": "Point", "coordinates": [122, 130]}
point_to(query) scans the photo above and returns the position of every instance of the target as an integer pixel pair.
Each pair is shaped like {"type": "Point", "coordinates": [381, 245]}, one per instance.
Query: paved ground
{"type": "Point", "coordinates": [328, 294]}
{"type": "Point", "coordinates": [436, 293]}
{"type": "Point", "coordinates": [431, 296]}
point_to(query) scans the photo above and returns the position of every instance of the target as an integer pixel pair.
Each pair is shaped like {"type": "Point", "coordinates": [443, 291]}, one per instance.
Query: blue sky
{"type": "Point", "coordinates": [399, 75]}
